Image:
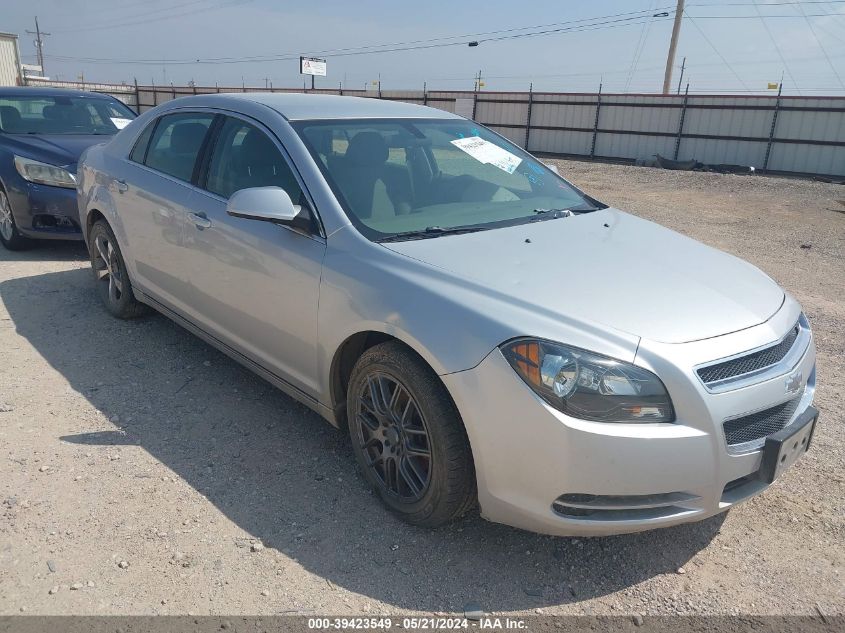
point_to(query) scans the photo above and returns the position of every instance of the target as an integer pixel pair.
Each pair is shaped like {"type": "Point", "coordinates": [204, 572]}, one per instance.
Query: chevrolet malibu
{"type": "Point", "coordinates": [43, 131]}
{"type": "Point", "coordinates": [489, 334]}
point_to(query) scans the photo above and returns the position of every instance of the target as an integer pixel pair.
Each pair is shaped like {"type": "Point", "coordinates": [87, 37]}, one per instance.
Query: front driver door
{"type": "Point", "coordinates": [254, 284]}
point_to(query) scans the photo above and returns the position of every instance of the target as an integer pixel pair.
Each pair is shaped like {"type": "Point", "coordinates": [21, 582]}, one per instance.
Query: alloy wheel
{"type": "Point", "coordinates": [394, 438]}
{"type": "Point", "coordinates": [107, 267]}
{"type": "Point", "coordinates": [7, 227]}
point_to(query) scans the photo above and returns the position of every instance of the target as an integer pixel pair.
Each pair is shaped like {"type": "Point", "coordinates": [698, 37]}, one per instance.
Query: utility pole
{"type": "Point", "coordinates": [39, 43]}
{"type": "Point", "coordinates": [681, 80]}
{"type": "Point", "coordinates": [673, 45]}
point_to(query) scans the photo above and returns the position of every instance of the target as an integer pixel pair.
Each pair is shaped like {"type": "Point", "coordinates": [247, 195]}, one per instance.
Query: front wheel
{"type": "Point", "coordinates": [10, 237]}
{"type": "Point", "coordinates": [113, 283]}
{"type": "Point", "coordinates": [408, 437]}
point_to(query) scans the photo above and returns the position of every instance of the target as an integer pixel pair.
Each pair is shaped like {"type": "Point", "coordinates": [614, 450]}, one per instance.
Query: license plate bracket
{"type": "Point", "coordinates": [782, 449]}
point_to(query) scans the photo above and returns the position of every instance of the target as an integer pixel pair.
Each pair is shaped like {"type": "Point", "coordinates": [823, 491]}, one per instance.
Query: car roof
{"type": "Point", "coordinates": [37, 91]}
{"type": "Point", "coordinates": [298, 106]}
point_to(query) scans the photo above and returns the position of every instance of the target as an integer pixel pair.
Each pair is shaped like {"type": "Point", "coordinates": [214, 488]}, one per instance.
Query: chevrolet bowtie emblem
{"type": "Point", "coordinates": [794, 381]}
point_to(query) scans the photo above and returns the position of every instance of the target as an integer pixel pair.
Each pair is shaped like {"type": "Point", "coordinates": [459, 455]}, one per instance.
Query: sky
{"type": "Point", "coordinates": [730, 45]}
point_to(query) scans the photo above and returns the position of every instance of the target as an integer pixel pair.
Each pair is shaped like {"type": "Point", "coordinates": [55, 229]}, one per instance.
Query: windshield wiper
{"type": "Point", "coordinates": [429, 232]}
{"type": "Point", "coordinates": [552, 214]}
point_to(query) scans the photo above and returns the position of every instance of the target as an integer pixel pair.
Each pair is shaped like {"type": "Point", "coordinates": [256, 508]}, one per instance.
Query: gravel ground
{"type": "Point", "coordinates": [142, 472]}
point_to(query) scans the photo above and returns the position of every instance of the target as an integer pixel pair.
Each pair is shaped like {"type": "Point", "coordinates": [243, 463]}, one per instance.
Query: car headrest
{"type": "Point", "coordinates": [321, 139]}
{"type": "Point", "coordinates": [10, 117]}
{"type": "Point", "coordinates": [258, 150]}
{"type": "Point", "coordinates": [367, 149]}
{"type": "Point", "coordinates": [186, 137]}
{"type": "Point", "coordinates": [79, 115]}
{"type": "Point", "coordinates": [51, 112]}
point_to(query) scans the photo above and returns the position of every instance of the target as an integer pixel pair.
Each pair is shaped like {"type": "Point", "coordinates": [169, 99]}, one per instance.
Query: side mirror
{"type": "Point", "coordinates": [552, 167]}
{"type": "Point", "coordinates": [270, 204]}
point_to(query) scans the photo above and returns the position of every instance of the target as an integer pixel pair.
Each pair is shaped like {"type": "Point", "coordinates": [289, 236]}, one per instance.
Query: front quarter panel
{"type": "Point", "coordinates": [452, 322]}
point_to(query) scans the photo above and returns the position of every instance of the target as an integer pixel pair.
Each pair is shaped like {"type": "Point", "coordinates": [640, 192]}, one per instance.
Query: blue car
{"type": "Point", "coordinates": [43, 132]}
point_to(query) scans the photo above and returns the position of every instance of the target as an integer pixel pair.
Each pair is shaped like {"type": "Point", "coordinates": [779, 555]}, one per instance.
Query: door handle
{"type": "Point", "coordinates": [121, 186]}
{"type": "Point", "coordinates": [200, 220]}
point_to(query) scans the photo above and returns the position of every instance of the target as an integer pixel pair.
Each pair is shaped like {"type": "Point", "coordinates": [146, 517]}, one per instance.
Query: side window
{"type": "Point", "coordinates": [176, 143]}
{"type": "Point", "coordinates": [244, 157]}
{"type": "Point", "coordinates": [139, 151]}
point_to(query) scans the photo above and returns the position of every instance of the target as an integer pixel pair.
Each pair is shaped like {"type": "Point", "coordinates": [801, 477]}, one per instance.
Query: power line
{"type": "Point", "coordinates": [336, 52]}
{"type": "Point", "coordinates": [116, 20]}
{"type": "Point", "coordinates": [767, 4]}
{"type": "Point", "coordinates": [768, 17]}
{"type": "Point", "coordinates": [821, 46]}
{"type": "Point", "coordinates": [716, 50]}
{"type": "Point", "coordinates": [633, 17]}
{"type": "Point", "coordinates": [638, 50]}
{"type": "Point", "coordinates": [617, 71]}
{"type": "Point", "coordinates": [834, 21]}
{"type": "Point", "coordinates": [777, 48]}
{"type": "Point", "coordinates": [124, 23]}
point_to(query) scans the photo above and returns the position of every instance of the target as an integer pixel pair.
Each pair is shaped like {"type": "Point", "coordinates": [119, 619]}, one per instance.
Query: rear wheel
{"type": "Point", "coordinates": [9, 234]}
{"type": "Point", "coordinates": [113, 283]}
{"type": "Point", "coordinates": [408, 437]}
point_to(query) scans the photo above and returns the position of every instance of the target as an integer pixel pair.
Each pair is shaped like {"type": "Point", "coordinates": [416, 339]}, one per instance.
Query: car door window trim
{"type": "Point", "coordinates": [209, 145]}
{"type": "Point", "coordinates": [318, 229]}
{"type": "Point", "coordinates": [319, 232]}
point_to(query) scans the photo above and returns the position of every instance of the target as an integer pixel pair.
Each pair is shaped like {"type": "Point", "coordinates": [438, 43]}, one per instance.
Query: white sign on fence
{"type": "Point", "coordinates": [312, 66]}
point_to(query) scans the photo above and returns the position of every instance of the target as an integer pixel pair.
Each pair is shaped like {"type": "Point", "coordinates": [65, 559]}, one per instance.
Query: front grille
{"type": "Point", "coordinates": [758, 425]}
{"type": "Point", "coordinates": [751, 362]}
{"type": "Point", "coordinates": [624, 507]}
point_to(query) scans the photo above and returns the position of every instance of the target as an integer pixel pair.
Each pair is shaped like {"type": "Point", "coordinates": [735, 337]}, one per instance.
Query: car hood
{"type": "Point", "coordinates": [612, 268]}
{"type": "Point", "coordinates": [56, 149]}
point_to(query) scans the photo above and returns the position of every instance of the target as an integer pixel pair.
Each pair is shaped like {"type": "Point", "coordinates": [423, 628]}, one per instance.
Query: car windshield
{"type": "Point", "coordinates": [62, 115]}
{"type": "Point", "coordinates": [413, 178]}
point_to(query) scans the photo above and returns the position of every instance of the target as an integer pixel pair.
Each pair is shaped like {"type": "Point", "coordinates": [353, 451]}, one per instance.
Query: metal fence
{"type": "Point", "coordinates": [796, 135]}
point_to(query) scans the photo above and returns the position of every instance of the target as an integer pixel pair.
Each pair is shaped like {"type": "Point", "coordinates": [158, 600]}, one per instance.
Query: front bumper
{"type": "Point", "coordinates": [528, 455]}
{"type": "Point", "coordinates": [45, 212]}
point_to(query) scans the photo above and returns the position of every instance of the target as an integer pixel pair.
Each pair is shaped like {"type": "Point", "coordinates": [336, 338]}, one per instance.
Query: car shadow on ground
{"type": "Point", "coordinates": [286, 477]}
{"type": "Point", "coordinates": [47, 250]}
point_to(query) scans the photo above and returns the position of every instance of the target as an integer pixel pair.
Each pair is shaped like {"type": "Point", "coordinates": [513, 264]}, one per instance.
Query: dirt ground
{"type": "Point", "coordinates": [143, 472]}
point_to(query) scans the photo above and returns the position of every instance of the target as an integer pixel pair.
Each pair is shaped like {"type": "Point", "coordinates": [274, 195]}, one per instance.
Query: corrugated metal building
{"type": "Point", "coordinates": [10, 60]}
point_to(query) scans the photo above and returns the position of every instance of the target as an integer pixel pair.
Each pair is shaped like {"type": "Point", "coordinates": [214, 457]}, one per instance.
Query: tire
{"type": "Point", "coordinates": [10, 237]}
{"type": "Point", "coordinates": [399, 410]}
{"type": "Point", "coordinates": [110, 274]}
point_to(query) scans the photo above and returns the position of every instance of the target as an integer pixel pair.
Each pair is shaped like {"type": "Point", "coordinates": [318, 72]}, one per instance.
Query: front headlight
{"type": "Point", "coordinates": [589, 386]}
{"type": "Point", "coordinates": [44, 174]}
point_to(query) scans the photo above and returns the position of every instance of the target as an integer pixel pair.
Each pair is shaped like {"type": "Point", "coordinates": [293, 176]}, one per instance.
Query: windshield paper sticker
{"type": "Point", "coordinates": [120, 123]}
{"type": "Point", "coordinates": [488, 153]}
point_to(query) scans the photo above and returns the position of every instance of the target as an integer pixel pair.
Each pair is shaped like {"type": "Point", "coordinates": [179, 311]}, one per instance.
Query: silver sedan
{"type": "Point", "coordinates": [489, 334]}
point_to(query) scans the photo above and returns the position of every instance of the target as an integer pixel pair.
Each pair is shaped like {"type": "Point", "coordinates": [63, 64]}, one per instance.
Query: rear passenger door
{"type": "Point", "coordinates": [255, 284]}
{"type": "Point", "coordinates": [155, 198]}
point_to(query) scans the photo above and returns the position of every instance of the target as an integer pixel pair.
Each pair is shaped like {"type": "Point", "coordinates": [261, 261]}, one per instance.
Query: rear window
{"type": "Point", "coordinates": [176, 143]}
{"type": "Point", "coordinates": [139, 152]}
{"type": "Point", "coordinates": [63, 115]}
